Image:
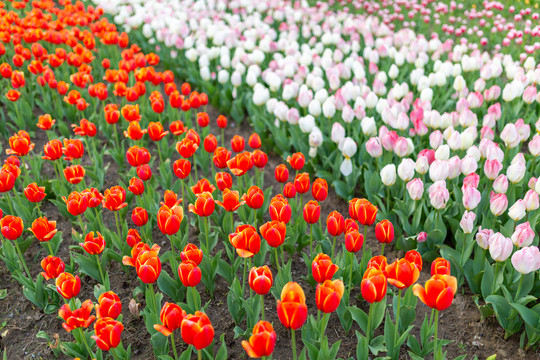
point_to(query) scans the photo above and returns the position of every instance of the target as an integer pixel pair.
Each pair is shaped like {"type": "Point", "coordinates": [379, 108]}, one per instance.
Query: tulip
{"type": "Point", "coordinates": [384, 232]}
{"type": "Point", "coordinates": [136, 186]}
{"type": "Point", "coordinates": [192, 252]}
{"type": "Point", "coordinates": [68, 285]}
{"type": "Point", "coordinates": [312, 212]}
{"type": "Point", "coordinates": [335, 223]}
{"type": "Point", "coordinates": [78, 318]}
{"type": "Point", "coordinates": [438, 294]}
{"type": "Point", "coordinates": [254, 197]}
{"type": "Point", "coordinates": [374, 285]}
{"type": "Point", "coordinates": [146, 262]}
{"type": "Point", "coordinates": [245, 240]}
{"type": "Point", "coordinates": [279, 209]}
{"type": "Point", "coordinates": [202, 186]}
{"type": "Point", "coordinates": [237, 143]}
{"type": "Point", "coordinates": [289, 191]}
{"type": "Point", "coordinates": [438, 194]}
{"type": "Point", "coordinates": [156, 131]}
{"type": "Point", "coordinates": [171, 316]}
{"type": "Point", "coordinates": [137, 156]}
{"type": "Point", "coordinates": [492, 168]}
{"type": "Point", "coordinates": [20, 144]}
{"type": "Point", "coordinates": [93, 245]}
{"type": "Point", "coordinates": [498, 204]}
{"type": "Point", "coordinates": [531, 200]}
{"type": "Point", "coordinates": [133, 237]}
{"type": "Point", "coordinates": [241, 163]}
{"type": "Point", "coordinates": [221, 157]}
{"type": "Point", "coordinates": [231, 200]}
{"type": "Point", "coordinates": [34, 193]}
{"type": "Point", "coordinates": [440, 266]}
{"type": "Point", "coordinates": [169, 219]}
{"type": "Point", "coordinates": [415, 188]}
{"type": "Point", "coordinates": [281, 173]}
{"type": "Point", "coordinates": [144, 172]}
{"type": "Point", "coordinates": [350, 224]}
{"type": "Point", "coordinates": [292, 309]}
{"type": "Point", "coordinates": [500, 247]}
{"type": "Point", "coordinates": [471, 197]}
{"type": "Point", "coordinates": [189, 273]}
{"type": "Point", "coordinates": [114, 198]}
{"type": "Point", "coordinates": [322, 268]}
{"type": "Point", "coordinates": [182, 168]}
{"type": "Point", "coordinates": [224, 181]}
{"type": "Point", "coordinates": [328, 295]}
{"type": "Point", "coordinates": [43, 229]}
{"type": "Point", "coordinates": [139, 216]}
{"type": "Point", "coordinates": [319, 189]}
{"type": "Point", "coordinates": [109, 305]}
{"type": "Point", "coordinates": [11, 227]}
{"type": "Point", "coordinates": [301, 183]}
{"type": "Point", "coordinates": [353, 241]}
{"type": "Point", "coordinates": [262, 341]}
{"type": "Point", "coordinates": [523, 235]}
{"type": "Point", "coordinates": [52, 267]}
{"type": "Point", "coordinates": [73, 149]}
{"type": "Point", "coordinates": [467, 222]}
{"type": "Point", "coordinates": [7, 182]}
{"type": "Point", "coordinates": [363, 211]}
{"type": "Point", "coordinates": [197, 330]}
{"type": "Point", "coordinates": [107, 333]}
{"type": "Point", "coordinates": [204, 205]}
{"type": "Point", "coordinates": [297, 161]}
{"type": "Point", "coordinates": [415, 258]}
{"type": "Point", "coordinates": [402, 273]}
{"type": "Point", "coordinates": [526, 260]}
{"type": "Point", "coordinates": [260, 280]}
{"type": "Point", "coordinates": [74, 174]}
{"type": "Point", "coordinates": [52, 150]}
{"type": "Point", "coordinates": [388, 175]}
{"type": "Point", "coordinates": [260, 159]}
{"type": "Point", "coordinates": [186, 148]}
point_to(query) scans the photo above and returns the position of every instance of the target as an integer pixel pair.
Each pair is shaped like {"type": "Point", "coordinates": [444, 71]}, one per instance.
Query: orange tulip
{"type": "Point", "coordinates": [134, 131]}
{"type": "Point", "coordinates": [262, 341]}
{"type": "Point", "coordinates": [328, 295]}
{"type": "Point", "coordinates": [241, 163]}
{"type": "Point", "coordinates": [156, 131]}
{"type": "Point", "coordinates": [281, 173]}
{"type": "Point", "coordinates": [438, 293]}
{"type": "Point", "coordinates": [114, 198]}
{"type": "Point", "coordinates": [43, 229]}
{"type": "Point", "coordinates": [274, 232]}
{"type": "Point", "coordinates": [131, 113]}
{"type": "Point", "coordinates": [34, 193]}
{"type": "Point", "coordinates": [171, 316]}
{"type": "Point", "coordinates": [136, 156]}
{"type": "Point", "coordinates": [189, 273]}
{"type": "Point", "coordinates": [335, 223]}
{"type": "Point", "coordinates": [20, 144]}
{"type": "Point", "coordinates": [224, 181]}
{"type": "Point", "coordinates": [374, 285]}
{"type": "Point", "coordinates": [93, 245]}
{"type": "Point", "coordinates": [354, 241]}
{"type": "Point", "coordinates": [186, 148]}
{"type": "Point", "coordinates": [170, 199]}
{"type": "Point", "coordinates": [182, 168]}
{"type": "Point", "coordinates": [384, 231]}
{"type": "Point", "coordinates": [221, 157]}
{"type": "Point", "coordinates": [193, 253]}
{"type": "Point", "coordinates": [52, 267]}
{"type": "Point", "coordinates": [378, 262]}
{"type": "Point", "coordinates": [107, 333]}
{"type": "Point", "coordinates": [246, 241]}
{"type": "Point", "coordinates": [74, 174]}
{"type": "Point", "coordinates": [319, 189]}
{"type": "Point", "coordinates": [53, 150]}
{"type": "Point", "coordinates": [45, 122]}
{"type": "Point", "coordinates": [440, 266]}
{"type": "Point", "coordinates": [73, 149]}
{"type": "Point", "coordinates": [11, 227]}
{"type": "Point", "coordinates": [414, 257]}
{"type": "Point", "coordinates": [109, 305]}
{"type": "Point", "coordinates": [238, 143]}
{"type": "Point", "coordinates": [68, 285]}
{"type": "Point", "coordinates": [204, 205]}
{"type": "Point", "coordinates": [197, 330]}
{"type": "Point", "coordinates": [402, 273]}
{"type": "Point", "coordinates": [13, 95]}
{"type": "Point", "coordinates": [169, 219]}
{"type": "Point", "coordinates": [301, 183]}
{"type": "Point", "coordinates": [231, 200]}
{"type": "Point", "coordinates": [292, 309]}
{"type": "Point", "coordinates": [280, 209]}
{"type": "Point", "coordinates": [297, 161]}
{"type": "Point", "coordinates": [322, 268]}
{"type": "Point", "coordinates": [78, 318]}
{"type": "Point", "coordinates": [260, 279]}
{"type": "Point", "coordinates": [254, 197]}
{"type": "Point", "coordinates": [254, 141]}
{"type": "Point", "coordinates": [363, 211]}
{"type": "Point", "coordinates": [312, 212]}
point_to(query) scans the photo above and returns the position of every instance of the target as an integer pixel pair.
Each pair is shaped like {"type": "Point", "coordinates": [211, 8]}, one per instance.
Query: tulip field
{"type": "Point", "coordinates": [233, 179]}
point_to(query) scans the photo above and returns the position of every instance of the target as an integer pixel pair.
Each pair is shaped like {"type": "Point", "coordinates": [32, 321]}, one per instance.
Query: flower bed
{"type": "Point", "coordinates": [132, 180]}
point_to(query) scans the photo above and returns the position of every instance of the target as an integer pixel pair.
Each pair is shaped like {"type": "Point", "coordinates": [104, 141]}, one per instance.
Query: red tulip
{"type": "Point", "coordinates": [274, 232]}
{"type": "Point", "coordinates": [353, 241]}
{"type": "Point", "coordinates": [241, 163]}
{"type": "Point", "coordinates": [328, 295]}
{"type": "Point", "coordinates": [109, 305]}
{"type": "Point", "coordinates": [156, 131]}
{"type": "Point", "coordinates": [133, 237]}
{"type": "Point", "coordinates": [171, 316]}
{"type": "Point", "coordinates": [224, 181]}
{"type": "Point", "coordinates": [384, 231]}
{"type": "Point", "coordinates": [78, 318]}
{"type": "Point", "coordinates": [68, 285]}
{"type": "Point", "coordinates": [93, 245]}
{"type": "Point", "coordinates": [402, 273]}
{"type": "Point", "coordinates": [262, 341]}
{"type": "Point", "coordinates": [440, 266]}
{"type": "Point", "coordinates": [34, 193]}
{"type": "Point", "coordinates": [107, 333]}
{"type": "Point", "coordinates": [144, 172]}
{"type": "Point", "coordinates": [137, 156]}
{"type": "Point", "coordinates": [231, 200]}
{"type": "Point", "coordinates": [136, 186]}
{"type": "Point", "coordinates": [139, 216]}
{"type": "Point", "coordinates": [289, 191]}
{"type": "Point", "coordinates": [182, 168]}
{"type": "Point", "coordinates": [378, 262]}
{"type": "Point", "coordinates": [281, 173]}
{"type": "Point", "coordinates": [280, 209]}
{"type": "Point", "coordinates": [245, 240]}
{"type": "Point", "coordinates": [414, 257]}
{"type": "Point", "coordinates": [312, 212]}
{"type": "Point", "coordinates": [204, 205]}
{"type": "Point", "coordinates": [7, 181]}
{"type": "Point", "coordinates": [43, 229]}
{"type": "Point", "coordinates": [297, 161]}
{"type": "Point", "coordinates": [170, 199]}
{"type": "Point", "coordinates": [197, 330]}
{"type": "Point", "coordinates": [53, 150]}
{"type": "Point", "coordinates": [45, 122]}
{"type": "Point", "coordinates": [374, 285]}
{"type": "Point", "coordinates": [301, 183]}
{"type": "Point", "coordinates": [52, 267]}
{"type": "Point", "coordinates": [438, 293]}
{"type": "Point", "coordinates": [260, 279]}
{"type": "Point", "coordinates": [186, 148]}
{"type": "Point", "coordinates": [73, 149]}
{"type": "Point", "coordinates": [335, 223]}
{"type": "Point", "coordinates": [189, 273]}
{"type": "Point", "coordinates": [169, 219]}
{"type": "Point", "coordinates": [292, 308]}
{"type": "Point", "coordinates": [202, 186]}
{"type": "Point", "coordinates": [74, 174]}
{"type": "Point", "coordinates": [254, 141]}
{"type": "Point", "coordinates": [115, 198]}
{"type": "Point", "coordinates": [20, 144]}
{"type": "Point", "coordinates": [193, 253]}
{"type": "Point", "coordinates": [210, 143]}
{"type": "Point", "coordinates": [260, 159]}
{"type": "Point", "coordinates": [221, 157]}
{"type": "Point", "coordinates": [12, 227]}
{"type": "Point", "coordinates": [237, 143]}
{"type": "Point", "coordinates": [319, 189]}
{"type": "Point", "coordinates": [254, 197]}
{"type": "Point", "coordinates": [322, 268]}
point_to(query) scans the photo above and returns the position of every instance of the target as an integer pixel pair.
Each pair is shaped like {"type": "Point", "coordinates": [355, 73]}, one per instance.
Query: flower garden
{"type": "Point", "coordinates": [219, 179]}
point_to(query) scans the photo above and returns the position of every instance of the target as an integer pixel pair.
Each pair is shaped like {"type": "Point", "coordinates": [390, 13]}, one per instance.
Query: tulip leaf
{"type": "Point", "coordinates": [169, 286]}
{"type": "Point", "coordinates": [362, 349]}
{"type": "Point", "coordinates": [87, 266]}
{"type": "Point", "coordinates": [359, 316]}
{"type": "Point", "coordinates": [529, 316]}
{"type": "Point", "coordinates": [487, 281]}
{"type": "Point", "coordinates": [222, 352]}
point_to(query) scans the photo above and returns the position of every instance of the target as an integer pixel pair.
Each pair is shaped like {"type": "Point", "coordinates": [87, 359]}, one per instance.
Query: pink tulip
{"type": "Point", "coordinates": [526, 260]}
{"type": "Point", "coordinates": [467, 221]}
{"type": "Point", "coordinates": [483, 236]}
{"type": "Point", "coordinates": [534, 145]}
{"type": "Point", "coordinates": [373, 147]}
{"type": "Point", "coordinates": [415, 187]}
{"type": "Point", "coordinates": [498, 204]}
{"type": "Point", "coordinates": [471, 197]}
{"type": "Point", "coordinates": [523, 235]}
{"type": "Point", "coordinates": [531, 200]}
{"type": "Point", "coordinates": [500, 185]}
{"type": "Point", "coordinates": [492, 168]}
{"type": "Point", "coordinates": [472, 180]}
{"type": "Point", "coordinates": [422, 237]}
{"type": "Point", "coordinates": [438, 194]}
{"type": "Point", "coordinates": [500, 247]}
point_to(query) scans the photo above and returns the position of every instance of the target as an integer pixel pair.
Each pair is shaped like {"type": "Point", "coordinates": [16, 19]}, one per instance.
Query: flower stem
{"type": "Point", "coordinates": [382, 249]}
{"type": "Point", "coordinates": [174, 347]}
{"type": "Point", "coordinates": [199, 356]}
{"type": "Point", "coordinates": [333, 246]}
{"type": "Point", "coordinates": [519, 286]}
{"type": "Point", "coordinates": [277, 260]}
{"type": "Point", "coordinates": [90, 353]}
{"type": "Point", "coordinates": [206, 234]}
{"type": "Point", "coordinates": [22, 259]}
{"type": "Point", "coordinates": [435, 350]}
{"type": "Point", "coordinates": [156, 307]}
{"type": "Point", "coordinates": [293, 339]}
{"type": "Point", "coordinates": [368, 329]}
{"type": "Point", "coordinates": [10, 204]}
{"type": "Point", "coordinates": [101, 271]}
{"type": "Point", "coordinates": [244, 277]}
{"type": "Point", "coordinates": [324, 324]}
{"type": "Point", "coordinates": [50, 248]}
{"type": "Point", "coordinates": [262, 307]}
{"type": "Point", "coordinates": [396, 332]}
{"type": "Point", "coordinates": [310, 241]}
{"type": "Point", "coordinates": [350, 276]}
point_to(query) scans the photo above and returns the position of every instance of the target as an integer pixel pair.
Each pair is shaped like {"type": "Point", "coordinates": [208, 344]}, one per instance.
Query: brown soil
{"type": "Point", "coordinates": [20, 321]}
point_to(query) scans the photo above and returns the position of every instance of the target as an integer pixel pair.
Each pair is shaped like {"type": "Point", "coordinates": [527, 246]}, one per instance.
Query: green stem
{"type": "Point", "coordinates": [350, 276]}
{"type": "Point", "coordinates": [262, 306]}
{"type": "Point", "coordinates": [368, 329]}
{"type": "Point", "coordinates": [365, 241]}
{"type": "Point", "coordinates": [174, 262]}
{"type": "Point", "coordinates": [519, 286]}
{"type": "Point", "coordinates": [199, 356]}
{"type": "Point", "coordinates": [431, 317]}
{"type": "Point", "coordinates": [244, 277]}
{"type": "Point", "coordinates": [159, 152]}
{"type": "Point", "coordinates": [310, 241]}
{"type": "Point", "coordinates": [113, 352]}
{"type": "Point", "coordinates": [382, 249]}
{"type": "Point", "coordinates": [81, 225]}
{"type": "Point", "coordinates": [118, 230]}
{"type": "Point", "coordinates": [324, 324]}
{"type": "Point", "coordinates": [206, 234]}
{"type": "Point", "coordinates": [50, 248]}
{"type": "Point", "coordinates": [90, 353]}
{"type": "Point", "coordinates": [156, 306]}
{"type": "Point", "coordinates": [494, 290]}
{"type": "Point", "coordinates": [194, 296]}
{"type": "Point", "coordinates": [10, 204]}
{"type": "Point", "coordinates": [277, 260]}
{"type": "Point", "coordinates": [293, 339]}
{"type": "Point", "coordinates": [333, 246]}
{"type": "Point", "coordinates": [101, 271]}
{"type": "Point", "coordinates": [396, 332]}
{"type": "Point", "coordinates": [435, 350]}
{"type": "Point", "coordinates": [174, 347]}
{"type": "Point", "coordinates": [22, 259]}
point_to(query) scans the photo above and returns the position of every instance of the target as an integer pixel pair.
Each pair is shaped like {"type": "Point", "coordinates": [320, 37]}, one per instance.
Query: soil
{"type": "Point", "coordinates": [20, 321]}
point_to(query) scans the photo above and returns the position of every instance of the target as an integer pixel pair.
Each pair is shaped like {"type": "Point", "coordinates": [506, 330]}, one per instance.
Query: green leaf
{"type": "Point", "coordinates": [529, 316]}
